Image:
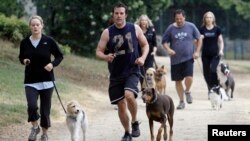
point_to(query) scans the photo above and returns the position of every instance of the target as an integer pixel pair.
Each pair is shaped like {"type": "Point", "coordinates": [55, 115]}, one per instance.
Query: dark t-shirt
{"type": "Point", "coordinates": [210, 42]}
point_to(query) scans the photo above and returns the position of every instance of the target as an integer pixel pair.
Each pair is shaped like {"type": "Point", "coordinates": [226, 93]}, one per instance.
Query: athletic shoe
{"type": "Point", "coordinates": [127, 137]}
{"type": "Point", "coordinates": [33, 133]}
{"type": "Point", "coordinates": [135, 129]}
{"type": "Point", "coordinates": [189, 97]}
{"type": "Point", "coordinates": [181, 105]}
{"type": "Point", "coordinates": [44, 137]}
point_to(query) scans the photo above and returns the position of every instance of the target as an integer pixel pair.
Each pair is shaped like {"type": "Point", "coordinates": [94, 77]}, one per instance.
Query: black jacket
{"type": "Point", "coordinates": [39, 58]}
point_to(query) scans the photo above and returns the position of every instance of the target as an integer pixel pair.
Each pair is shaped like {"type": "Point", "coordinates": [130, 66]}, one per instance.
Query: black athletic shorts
{"type": "Point", "coordinates": [182, 70]}
{"type": "Point", "coordinates": [117, 88]}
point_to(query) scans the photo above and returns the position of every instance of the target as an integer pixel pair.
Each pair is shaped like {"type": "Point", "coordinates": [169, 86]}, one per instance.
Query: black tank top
{"type": "Point", "coordinates": [124, 44]}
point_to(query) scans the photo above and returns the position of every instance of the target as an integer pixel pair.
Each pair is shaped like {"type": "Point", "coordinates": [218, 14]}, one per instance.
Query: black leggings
{"type": "Point", "coordinates": [32, 96]}
{"type": "Point", "coordinates": [210, 70]}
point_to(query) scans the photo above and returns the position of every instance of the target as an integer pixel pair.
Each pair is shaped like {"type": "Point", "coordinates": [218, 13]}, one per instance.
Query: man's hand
{"type": "Point", "coordinates": [196, 55]}
{"type": "Point", "coordinates": [140, 61]}
{"type": "Point", "coordinates": [110, 57]}
{"type": "Point", "coordinates": [171, 52]}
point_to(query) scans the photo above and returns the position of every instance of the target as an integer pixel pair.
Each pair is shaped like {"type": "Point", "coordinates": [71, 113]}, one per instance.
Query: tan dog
{"type": "Point", "coordinates": [76, 120]}
{"type": "Point", "coordinates": [150, 78]}
{"type": "Point", "coordinates": [160, 79]}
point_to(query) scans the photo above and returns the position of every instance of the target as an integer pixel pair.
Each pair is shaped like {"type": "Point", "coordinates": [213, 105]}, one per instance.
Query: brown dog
{"type": "Point", "coordinates": [159, 108]}
{"type": "Point", "coordinates": [160, 79]}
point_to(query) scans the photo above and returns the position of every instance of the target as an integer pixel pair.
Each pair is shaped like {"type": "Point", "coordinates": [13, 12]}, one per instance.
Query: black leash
{"type": "Point", "coordinates": [155, 62]}
{"type": "Point", "coordinates": [58, 95]}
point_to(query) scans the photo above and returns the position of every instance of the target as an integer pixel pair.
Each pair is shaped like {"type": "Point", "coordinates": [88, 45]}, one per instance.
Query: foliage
{"type": "Point", "coordinates": [12, 7]}
{"type": "Point", "coordinates": [65, 49]}
{"type": "Point", "coordinates": [241, 6]}
{"type": "Point", "coordinates": [80, 23]}
{"type": "Point", "coordinates": [225, 11]}
{"type": "Point", "coordinates": [13, 29]}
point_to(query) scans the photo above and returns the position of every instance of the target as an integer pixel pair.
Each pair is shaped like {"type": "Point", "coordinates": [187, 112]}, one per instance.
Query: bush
{"type": "Point", "coordinates": [65, 49]}
{"type": "Point", "coordinates": [13, 29]}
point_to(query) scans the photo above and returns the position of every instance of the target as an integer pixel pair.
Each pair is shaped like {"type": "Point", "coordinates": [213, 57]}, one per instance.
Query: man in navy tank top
{"type": "Point", "coordinates": [120, 43]}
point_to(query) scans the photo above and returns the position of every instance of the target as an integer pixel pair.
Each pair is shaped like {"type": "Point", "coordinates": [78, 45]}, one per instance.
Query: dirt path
{"type": "Point", "coordinates": [189, 124]}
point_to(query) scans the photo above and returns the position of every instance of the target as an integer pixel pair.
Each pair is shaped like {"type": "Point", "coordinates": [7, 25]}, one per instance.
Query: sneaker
{"type": "Point", "coordinates": [33, 133]}
{"type": "Point", "coordinates": [127, 137]}
{"type": "Point", "coordinates": [181, 105]}
{"type": "Point", "coordinates": [189, 97]}
{"type": "Point", "coordinates": [135, 129]}
{"type": "Point", "coordinates": [44, 137]}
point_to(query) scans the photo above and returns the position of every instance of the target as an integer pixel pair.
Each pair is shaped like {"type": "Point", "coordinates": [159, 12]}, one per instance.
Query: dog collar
{"type": "Point", "coordinates": [72, 117]}
{"type": "Point", "coordinates": [154, 100]}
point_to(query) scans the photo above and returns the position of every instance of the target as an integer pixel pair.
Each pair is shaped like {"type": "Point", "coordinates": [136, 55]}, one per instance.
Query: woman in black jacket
{"type": "Point", "coordinates": [149, 31]}
{"type": "Point", "coordinates": [35, 54]}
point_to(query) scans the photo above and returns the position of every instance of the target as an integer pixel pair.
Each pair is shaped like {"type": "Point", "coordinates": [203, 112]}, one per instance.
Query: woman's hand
{"type": "Point", "coordinates": [26, 62]}
{"type": "Point", "coordinates": [48, 67]}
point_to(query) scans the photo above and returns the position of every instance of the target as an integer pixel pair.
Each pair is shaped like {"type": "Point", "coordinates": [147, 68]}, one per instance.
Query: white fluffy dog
{"type": "Point", "coordinates": [217, 95]}
{"type": "Point", "coordinates": [76, 120]}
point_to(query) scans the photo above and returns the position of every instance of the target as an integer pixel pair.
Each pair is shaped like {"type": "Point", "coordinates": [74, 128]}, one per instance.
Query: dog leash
{"type": "Point", "coordinates": [144, 71]}
{"type": "Point", "coordinates": [155, 62]}
{"type": "Point", "coordinates": [58, 94]}
{"type": "Point", "coordinates": [199, 64]}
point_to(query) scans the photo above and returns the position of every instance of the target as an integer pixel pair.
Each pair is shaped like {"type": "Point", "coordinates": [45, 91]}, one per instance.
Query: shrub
{"type": "Point", "coordinates": [13, 29]}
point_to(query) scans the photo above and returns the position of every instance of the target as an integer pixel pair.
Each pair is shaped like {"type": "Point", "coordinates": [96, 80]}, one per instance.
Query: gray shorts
{"type": "Point", "coordinates": [117, 88]}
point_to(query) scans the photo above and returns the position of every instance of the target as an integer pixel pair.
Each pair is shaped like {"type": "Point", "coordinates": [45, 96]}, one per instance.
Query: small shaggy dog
{"type": "Point", "coordinates": [217, 95]}
{"type": "Point", "coordinates": [76, 120]}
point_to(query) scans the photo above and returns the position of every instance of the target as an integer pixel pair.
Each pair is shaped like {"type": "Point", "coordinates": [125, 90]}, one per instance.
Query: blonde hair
{"type": "Point", "coordinates": [36, 17]}
{"type": "Point", "coordinates": [204, 18]}
{"type": "Point", "coordinates": [138, 21]}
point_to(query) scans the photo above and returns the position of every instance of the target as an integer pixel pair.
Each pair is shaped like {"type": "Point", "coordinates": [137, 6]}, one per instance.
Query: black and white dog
{"type": "Point", "coordinates": [226, 79]}
{"type": "Point", "coordinates": [217, 95]}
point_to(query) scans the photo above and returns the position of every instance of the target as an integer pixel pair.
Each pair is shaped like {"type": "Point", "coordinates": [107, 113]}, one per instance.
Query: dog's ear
{"type": "Point", "coordinates": [142, 89]}
{"type": "Point", "coordinates": [153, 90]}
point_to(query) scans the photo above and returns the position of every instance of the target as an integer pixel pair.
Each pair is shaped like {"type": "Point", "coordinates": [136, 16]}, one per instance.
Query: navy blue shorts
{"type": "Point", "coordinates": [117, 88]}
{"type": "Point", "coordinates": [182, 70]}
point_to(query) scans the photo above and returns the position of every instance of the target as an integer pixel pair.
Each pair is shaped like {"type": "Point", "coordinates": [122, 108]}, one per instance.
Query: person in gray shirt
{"type": "Point", "coordinates": [179, 40]}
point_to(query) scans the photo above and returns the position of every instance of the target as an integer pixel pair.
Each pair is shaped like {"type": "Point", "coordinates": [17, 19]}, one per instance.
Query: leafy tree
{"type": "Point", "coordinates": [79, 23]}
{"type": "Point", "coordinates": [241, 6]}
{"type": "Point", "coordinates": [12, 7]}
